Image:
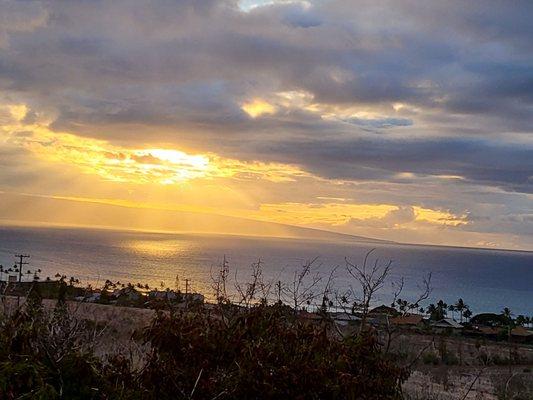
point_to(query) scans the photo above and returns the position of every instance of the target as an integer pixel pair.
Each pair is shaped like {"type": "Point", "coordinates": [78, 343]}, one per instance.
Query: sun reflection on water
{"type": "Point", "coordinates": [158, 248]}
{"type": "Point", "coordinates": [169, 263]}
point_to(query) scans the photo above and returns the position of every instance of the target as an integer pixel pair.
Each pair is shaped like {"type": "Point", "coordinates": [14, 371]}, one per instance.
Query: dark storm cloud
{"type": "Point", "coordinates": [179, 71]}
{"type": "Point", "coordinates": [478, 161]}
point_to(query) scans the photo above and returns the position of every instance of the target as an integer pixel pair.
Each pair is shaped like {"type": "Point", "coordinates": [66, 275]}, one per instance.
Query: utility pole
{"type": "Point", "coordinates": [21, 263]}
{"type": "Point", "coordinates": [186, 287]}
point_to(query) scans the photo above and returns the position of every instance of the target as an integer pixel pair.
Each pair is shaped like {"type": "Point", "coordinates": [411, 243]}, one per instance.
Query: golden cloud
{"type": "Point", "coordinates": [135, 165]}
{"type": "Point", "coordinates": [339, 214]}
{"type": "Point", "coordinates": [257, 107]}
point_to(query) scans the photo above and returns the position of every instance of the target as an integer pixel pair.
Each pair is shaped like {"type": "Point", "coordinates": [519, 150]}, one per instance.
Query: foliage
{"type": "Point", "coordinates": [42, 355]}
{"type": "Point", "coordinates": [490, 319]}
{"type": "Point", "coordinates": [264, 352]}
{"type": "Point", "coordinates": [430, 358]}
{"type": "Point", "coordinates": [437, 311]}
{"type": "Point", "coordinates": [227, 353]}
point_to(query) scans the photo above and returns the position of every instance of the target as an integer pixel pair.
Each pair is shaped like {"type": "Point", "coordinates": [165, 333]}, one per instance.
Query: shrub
{"type": "Point", "coordinates": [499, 360]}
{"type": "Point", "coordinates": [261, 352]}
{"type": "Point", "coordinates": [430, 358]}
{"type": "Point", "coordinates": [450, 359]}
{"type": "Point", "coordinates": [264, 352]}
{"type": "Point", "coordinates": [484, 358]}
{"type": "Point", "coordinates": [42, 355]}
{"type": "Point", "coordinates": [515, 387]}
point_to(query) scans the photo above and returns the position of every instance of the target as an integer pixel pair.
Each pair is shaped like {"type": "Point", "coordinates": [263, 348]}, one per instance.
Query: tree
{"type": "Point", "coordinates": [460, 306]}
{"type": "Point", "coordinates": [438, 311]}
{"type": "Point", "coordinates": [506, 312]}
{"type": "Point", "coordinates": [452, 309]}
{"type": "Point", "coordinates": [521, 320]}
{"type": "Point", "coordinates": [406, 307]}
{"type": "Point", "coordinates": [302, 291]}
{"type": "Point", "coordinates": [467, 314]}
{"type": "Point", "coordinates": [220, 281]}
{"type": "Point", "coordinates": [370, 279]}
{"type": "Point", "coordinates": [263, 352]}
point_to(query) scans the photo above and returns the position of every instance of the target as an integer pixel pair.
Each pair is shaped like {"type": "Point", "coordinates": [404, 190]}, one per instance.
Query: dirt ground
{"type": "Point", "coordinates": [473, 373]}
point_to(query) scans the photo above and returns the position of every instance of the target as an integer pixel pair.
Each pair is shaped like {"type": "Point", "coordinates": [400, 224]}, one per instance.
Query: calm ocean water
{"type": "Point", "coordinates": [487, 280]}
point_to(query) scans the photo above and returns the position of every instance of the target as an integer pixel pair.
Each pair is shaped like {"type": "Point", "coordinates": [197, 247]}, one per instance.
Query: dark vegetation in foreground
{"type": "Point", "coordinates": [260, 352]}
{"type": "Point", "coordinates": [259, 343]}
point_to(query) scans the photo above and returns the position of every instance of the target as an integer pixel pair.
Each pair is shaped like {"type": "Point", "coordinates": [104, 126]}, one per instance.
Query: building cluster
{"type": "Point", "coordinates": [131, 296]}
{"type": "Point", "coordinates": [388, 318]}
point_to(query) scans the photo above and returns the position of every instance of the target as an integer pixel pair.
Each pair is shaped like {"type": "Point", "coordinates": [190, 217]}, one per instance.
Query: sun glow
{"type": "Point", "coordinates": [258, 107]}
{"type": "Point", "coordinates": [195, 174]}
{"type": "Point", "coordinates": [165, 166]}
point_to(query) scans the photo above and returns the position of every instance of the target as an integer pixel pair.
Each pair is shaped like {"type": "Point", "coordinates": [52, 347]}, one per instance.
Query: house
{"type": "Point", "coordinates": [488, 331]}
{"type": "Point", "coordinates": [518, 334]}
{"type": "Point", "coordinates": [344, 318]}
{"type": "Point", "coordinates": [408, 321]}
{"type": "Point", "coordinates": [163, 294]}
{"type": "Point", "coordinates": [127, 295]}
{"type": "Point", "coordinates": [521, 334]}
{"type": "Point", "coordinates": [92, 298]}
{"type": "Point", "coordinates": [308, 317]}
{"type": "Point", "coordinates": [193, 297]}
{"type": "Point", "coordinates": [377, 320]}
{"type": "Point", "coordinates": [384, 310]}
{"type": "Point", "coordinates": [446, 325]}
{"type": "Point", "coordinates": [170, 295]}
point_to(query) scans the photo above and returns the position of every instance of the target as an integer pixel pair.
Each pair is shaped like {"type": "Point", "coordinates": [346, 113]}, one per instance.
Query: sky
{"type": "Point", "coordinates": [402, 120]}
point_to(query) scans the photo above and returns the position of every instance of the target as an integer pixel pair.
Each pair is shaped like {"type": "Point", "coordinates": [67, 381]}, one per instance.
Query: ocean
{"type": "Point", "coordinates": [487, 280]}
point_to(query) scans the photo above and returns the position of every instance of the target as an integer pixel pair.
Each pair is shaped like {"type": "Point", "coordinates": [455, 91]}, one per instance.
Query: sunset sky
{"type": "Point", "coordinates": [401, 120]}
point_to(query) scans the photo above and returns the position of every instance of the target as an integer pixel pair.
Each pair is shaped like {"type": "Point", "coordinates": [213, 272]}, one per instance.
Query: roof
{"type": "Point", "coordinates": [521, 331]}
{"type": "Point", "coordinates": [447, 323]}
{"type": "Point", "coordinates": [378, 319]}
{"type": "Point", "coordinates": [309, 316]}
{"type": "Point", "coordinates": [344, 316]}
{"type": "Point", "coordinates": [410, 319]}
{"type": "Point", "coordinates": [489, 330]}
{"type": "Point", "coordinates": [383, 309]}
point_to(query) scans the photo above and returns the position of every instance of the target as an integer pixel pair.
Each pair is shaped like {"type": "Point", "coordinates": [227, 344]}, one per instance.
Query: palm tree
{"type": "Point", "coordinates": [441, 308]}
{"type": "Point", "coordinates": [402, 305]}
{"type": "Point", "coordinates": [452, 309]}
{"type": "Point", "coordinates": [467, 314]}
{"type": "Point", "coordinates": [460, 306]}
{"type": "Point", "coordinates": [431, 310]}
{"type": "Point", "coordinates": [438, 311]}
{"type": "Point", "coordinates": [506, 312]}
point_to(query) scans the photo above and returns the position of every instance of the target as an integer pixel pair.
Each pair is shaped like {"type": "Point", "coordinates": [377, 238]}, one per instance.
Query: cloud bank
{"type": "Point", "coordinates": [402, 103]}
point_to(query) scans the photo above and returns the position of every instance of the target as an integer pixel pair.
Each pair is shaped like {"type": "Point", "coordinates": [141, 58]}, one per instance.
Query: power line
{"type": "Point", "coordinates": [21, 263]}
